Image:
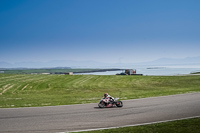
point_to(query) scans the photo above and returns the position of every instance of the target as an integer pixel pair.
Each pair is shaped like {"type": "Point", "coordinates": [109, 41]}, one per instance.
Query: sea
{"type": "Point", "coordinates": [169, 70]}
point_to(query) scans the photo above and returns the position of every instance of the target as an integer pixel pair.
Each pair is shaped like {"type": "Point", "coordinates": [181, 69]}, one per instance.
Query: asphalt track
{"type": "Point", "coordinates": [89, 116]}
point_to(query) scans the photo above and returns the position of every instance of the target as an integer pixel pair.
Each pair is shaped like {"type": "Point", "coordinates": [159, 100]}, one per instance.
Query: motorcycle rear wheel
{"type": "Point", "coordinates": [102, 105]}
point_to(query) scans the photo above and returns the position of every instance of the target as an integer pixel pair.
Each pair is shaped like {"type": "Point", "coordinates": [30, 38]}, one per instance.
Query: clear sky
{"type": "Point", "coordinates": [113, 31]}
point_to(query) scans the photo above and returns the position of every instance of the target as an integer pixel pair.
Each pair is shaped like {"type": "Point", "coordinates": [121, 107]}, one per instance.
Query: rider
{"type": "Point", "coordinates": [111, 99]}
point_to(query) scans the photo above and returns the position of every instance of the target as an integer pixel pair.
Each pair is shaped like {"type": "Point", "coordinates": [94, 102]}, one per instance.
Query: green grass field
{"type": "Point", "coordinates": [179, 126]}
{"type": "Point", "coordinates": [26, 90]}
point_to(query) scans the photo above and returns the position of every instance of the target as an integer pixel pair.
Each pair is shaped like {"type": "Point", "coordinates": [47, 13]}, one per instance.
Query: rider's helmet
{"type": "Point", "coordinates": [105, 94]}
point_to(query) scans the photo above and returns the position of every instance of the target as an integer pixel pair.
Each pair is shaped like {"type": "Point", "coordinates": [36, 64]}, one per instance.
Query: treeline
{"type": "Point", "coordinates": [52, 71]}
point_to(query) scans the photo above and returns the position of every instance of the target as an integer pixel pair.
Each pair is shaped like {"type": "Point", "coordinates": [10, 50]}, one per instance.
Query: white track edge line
{"type": "Point", "coordinates": [131, 125]}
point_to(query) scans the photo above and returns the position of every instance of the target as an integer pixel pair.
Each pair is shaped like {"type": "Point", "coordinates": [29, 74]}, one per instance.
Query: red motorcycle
{"type": "Point", "coordinates": [106, 103]}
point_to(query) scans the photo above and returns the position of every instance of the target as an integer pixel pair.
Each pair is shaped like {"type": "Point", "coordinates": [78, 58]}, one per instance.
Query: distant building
{"type": "Point", "coordinates": [45, 73]}
{"type": "Point", "coordinates": [34, 73]}
{"type": "Point", "coordinates": [130, 71]}
{"type": "Point", "coordinates": [69, 73]}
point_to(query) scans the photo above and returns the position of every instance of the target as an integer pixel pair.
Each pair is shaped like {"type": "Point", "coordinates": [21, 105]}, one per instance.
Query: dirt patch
{"type": "Point", "coordinates": [25, 87]}
{"type": "Point", "coordinates": [5, 88]}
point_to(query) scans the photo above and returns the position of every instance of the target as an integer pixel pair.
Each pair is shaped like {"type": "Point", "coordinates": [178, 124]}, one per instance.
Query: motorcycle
{"type": "Point", "coordinates": [106, 103]}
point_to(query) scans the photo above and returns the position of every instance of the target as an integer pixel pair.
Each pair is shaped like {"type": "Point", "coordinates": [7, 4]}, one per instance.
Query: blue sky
{"type": "Point", "coordinates": [125, 31]}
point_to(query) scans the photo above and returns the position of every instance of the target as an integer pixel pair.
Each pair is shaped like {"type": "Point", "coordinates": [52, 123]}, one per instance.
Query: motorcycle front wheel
{"type": "Point", "coordinates": [119, 104]}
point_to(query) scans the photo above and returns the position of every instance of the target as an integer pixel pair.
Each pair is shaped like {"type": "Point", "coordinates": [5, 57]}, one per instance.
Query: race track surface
{"type": "Point", "coordinates": [89, 116]}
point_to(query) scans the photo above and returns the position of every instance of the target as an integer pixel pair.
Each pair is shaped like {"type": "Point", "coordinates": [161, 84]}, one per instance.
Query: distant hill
{"type": "Point", "coordinates": [95, 64]}
{"type": "Point", "coordinates": [175, 61]}
{"type": "Point", "coordinates": [5, 65]}
{"type": "Point", "coordinates": [54, 63]}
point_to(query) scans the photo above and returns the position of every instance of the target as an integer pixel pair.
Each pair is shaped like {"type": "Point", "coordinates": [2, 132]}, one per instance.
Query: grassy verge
{"type": "Point", "coordinates": [24, 90]}
{"type": "Point", "coordinates": [179, 126]}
